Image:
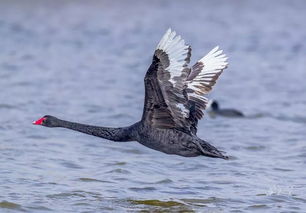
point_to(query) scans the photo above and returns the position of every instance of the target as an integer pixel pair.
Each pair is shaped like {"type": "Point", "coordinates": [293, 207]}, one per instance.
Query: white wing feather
{"type": "Point", "coordinates": [213, 65]}
{"type": "Point", "coordinates": [176, 50]}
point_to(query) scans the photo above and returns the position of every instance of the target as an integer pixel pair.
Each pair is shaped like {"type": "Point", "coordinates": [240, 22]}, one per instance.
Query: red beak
{"type": "Point", "coordinates": [39, 121]}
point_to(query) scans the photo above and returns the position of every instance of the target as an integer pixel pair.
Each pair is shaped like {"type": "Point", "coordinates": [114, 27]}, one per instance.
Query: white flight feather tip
{"type": "Point", "coordinates": [214, 62]}
{"type": "Point", "coordinates": [176, 49]}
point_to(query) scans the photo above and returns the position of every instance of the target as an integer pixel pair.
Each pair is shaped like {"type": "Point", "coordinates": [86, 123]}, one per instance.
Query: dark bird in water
{"type": "Point", "coordinates": [215, 110]}
{"type": "Point", "coordinates": [173, 102]}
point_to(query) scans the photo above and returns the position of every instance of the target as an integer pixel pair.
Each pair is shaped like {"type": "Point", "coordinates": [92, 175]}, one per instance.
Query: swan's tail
{"type": "Point", "coordinates": [210, 151]}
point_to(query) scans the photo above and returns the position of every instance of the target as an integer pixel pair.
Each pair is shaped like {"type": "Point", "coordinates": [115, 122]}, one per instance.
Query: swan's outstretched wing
{"type": "Point", "coordinates": [200, 81]}
{"type": "Point", "coordinates": [166, 101]}
{"type": "Point", "coordinates": [174, 96]}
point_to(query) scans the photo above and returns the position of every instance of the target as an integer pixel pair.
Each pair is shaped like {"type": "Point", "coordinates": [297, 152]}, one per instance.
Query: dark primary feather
{"type": "Point", "coordinates": [162, 96]}
{"type": "Point", "coordinates": [195, 70]}
{"type": "Point", "coordinates": [187, 90]}
{"type": "Point", "coordinates": [203, 76]}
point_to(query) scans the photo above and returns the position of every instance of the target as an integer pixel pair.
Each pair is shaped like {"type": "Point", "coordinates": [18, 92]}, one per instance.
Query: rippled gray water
{"type": "Point", "coordinates": [85, 61]}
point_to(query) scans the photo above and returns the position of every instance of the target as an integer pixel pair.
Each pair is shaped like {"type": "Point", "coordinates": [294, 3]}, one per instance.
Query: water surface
{"type": "Point", "coordinates": [85, 61]}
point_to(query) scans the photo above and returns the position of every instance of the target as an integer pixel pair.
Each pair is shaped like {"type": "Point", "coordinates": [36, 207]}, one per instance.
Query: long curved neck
{"type": "Point", "coordinates": [114, 134]}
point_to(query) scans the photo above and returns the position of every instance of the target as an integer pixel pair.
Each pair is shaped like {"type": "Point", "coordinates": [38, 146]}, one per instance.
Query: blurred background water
{"type": "Point", "coordinates": [85, 61]}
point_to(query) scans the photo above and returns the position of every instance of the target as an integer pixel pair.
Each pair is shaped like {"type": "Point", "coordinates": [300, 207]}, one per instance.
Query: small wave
{"type": "Point", "coordinates": [203, 201]}
{"type": "Point", "coordinates": [39, 208]}
{"type": "Point", "coordinates": [120, 115]}
{"type": "Point", "coordinates": [37, 137]}
{"type": "Point", "coordinates": [157, 203]}
{"type": "Point", "coordinates": [293, 119]}
{"type": "Point", "coordinates": [139, 189]}
{"type": "Point", "coordinates": [280, 190]}
{"type": "Point", "coordinates": [133, 151]}
{"type": "Point", "coordinates": [121, 171]}
{"type": "Point", "coordinates": [258, 207]}
{"type": "Point", "coordinates": [71, 165]}
{"type": "Point", "coordinates": [283, 169]}
{"type": "Point", "coordinates": [9, 205]}
{"type": "Point", "coordinates": [78, 193]}
{"type": "Point", "coordinates": [7, 106]}
{"type": "Point", "coordinates": [164, 181]}
{"type": "Point", "coordinates": [120, 163]}
{"type": "Point", "coordinates": [66, 194]}
{"type": "Point", "coordinates": [256, 147]}
{"type": "Point", "coordinates": [258, 115]}
{"type": "Point", "coordinates": [297, 119]}
{"type": "Point", "coordinates": [93, 180]}
{"type": "Point", "coordinates": [81, 204]}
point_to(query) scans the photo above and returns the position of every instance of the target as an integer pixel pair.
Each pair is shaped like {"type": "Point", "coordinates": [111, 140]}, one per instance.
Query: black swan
{"type": "Point", "coordinates": [214, 107]}
{"type": "Point", "coordinates": [173, 102]}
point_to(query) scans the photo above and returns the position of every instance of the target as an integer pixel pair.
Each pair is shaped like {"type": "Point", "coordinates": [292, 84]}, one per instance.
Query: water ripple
{"type": "Point", "coordinates": [86, 62]}
{"type": "Point", "coordinates": [10, 205]}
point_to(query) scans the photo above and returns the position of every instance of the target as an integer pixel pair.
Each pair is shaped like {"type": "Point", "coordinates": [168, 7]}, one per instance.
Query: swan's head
{"type": "Point", "coordinates": [47, 120]}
